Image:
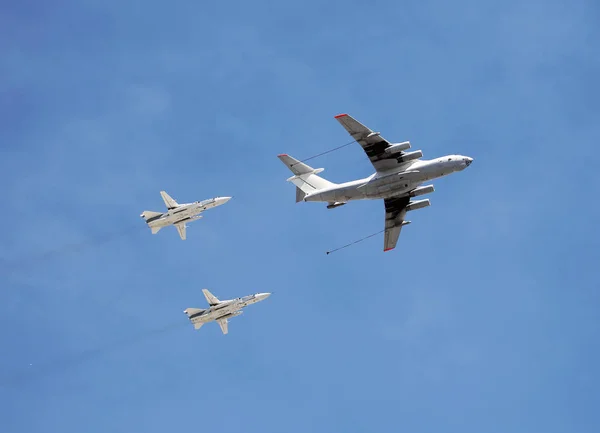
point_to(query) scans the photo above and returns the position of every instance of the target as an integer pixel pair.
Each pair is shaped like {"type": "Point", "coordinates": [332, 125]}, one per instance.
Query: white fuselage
{"type": "Point", "coordinates": [229, 308]}
{"type": "Point", "coordinates": [392, 183]}
{"type": "Point", "coordinates": [186, 212]}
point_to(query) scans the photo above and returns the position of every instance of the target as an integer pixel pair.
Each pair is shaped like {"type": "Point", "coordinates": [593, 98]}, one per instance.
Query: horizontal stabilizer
{"type": "Point", "coordinates": [305, 177]}
{"type": "Point", "coordinates": [148, 214]}
{"type": "Point", "coordinates": [223, 323]}
{"type": "Point", "coordinates": [192, 311]}
{"type": "Point", "coordinates": [299, 195]}
{"type": "Point", "coordinates": [295, 166]}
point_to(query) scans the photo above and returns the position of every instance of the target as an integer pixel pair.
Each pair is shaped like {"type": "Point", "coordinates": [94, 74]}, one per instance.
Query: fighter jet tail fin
{"type": "Point", "coordinates": [305, 177]}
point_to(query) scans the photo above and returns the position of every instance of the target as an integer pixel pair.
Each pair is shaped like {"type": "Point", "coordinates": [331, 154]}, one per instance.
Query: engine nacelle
{"type": "Point", "coordinates": [336, 204]}
{"type": "Point", "coordinates": [398, 147]}
{"type": "Point", "coordinates": [428, 189]}
{"type": "Point", "coordinates": [419, 204]}
{"type": "Point", "coordinates": [409, 156]}
{"type": "Point", "coordinates": [183, 220]}
{"type": "Point", "coordinates": [235, 313]}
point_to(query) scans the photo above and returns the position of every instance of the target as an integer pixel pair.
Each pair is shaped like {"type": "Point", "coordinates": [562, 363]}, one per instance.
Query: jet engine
{"type": "Point", "coordinates": [182, 220]}
{"type": "Point", "coordinates": [190, 218]}
{"type": "Point", "coordinates": [409, 156]}
{"type": "Point", "coordinates": [336, 204]}
{"type": "Point", "coordinates": [235, 313]}
{"type": "Point", "coordinates": [419, 204]}
{"type": "Point", "coordinates": [398, 147]}
{"type": "Point", "coordinates": [421, 190]}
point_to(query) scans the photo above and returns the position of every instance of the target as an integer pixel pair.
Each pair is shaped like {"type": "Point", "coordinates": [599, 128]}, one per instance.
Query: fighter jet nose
{"type": "Point", "coordinates": [468, 161]}
{"type": "Point", "coordinates": [262, 296]}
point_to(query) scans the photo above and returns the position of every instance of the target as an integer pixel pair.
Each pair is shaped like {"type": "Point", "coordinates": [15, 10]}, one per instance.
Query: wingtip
{"type": "Point", "coordinates": [282, 154]}
{"type": "Point", "coordinates": [340, 115]}
{"type": "Point", "coordinates": [388, 249]}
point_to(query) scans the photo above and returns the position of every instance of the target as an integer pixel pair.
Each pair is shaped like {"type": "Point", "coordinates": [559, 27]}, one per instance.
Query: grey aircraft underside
{"type": "Point", "coordinates": [221, 311]}
{"type": "Point", "coordinates": [398, 177]}
{"type": "Point", "coordinates": [179, 214]}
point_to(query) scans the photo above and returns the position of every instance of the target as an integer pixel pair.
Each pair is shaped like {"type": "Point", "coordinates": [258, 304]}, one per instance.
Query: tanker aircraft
{"type": "Point", "coordinates": [398, 177]}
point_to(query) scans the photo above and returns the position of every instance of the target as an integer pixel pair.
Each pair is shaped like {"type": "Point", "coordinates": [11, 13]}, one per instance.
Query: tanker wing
{"type": "Point", "coordinates": [395, 212]}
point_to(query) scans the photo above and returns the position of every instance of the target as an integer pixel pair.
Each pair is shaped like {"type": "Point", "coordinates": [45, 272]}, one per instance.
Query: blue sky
{"type": "Point", "coordinates": [483, 319]}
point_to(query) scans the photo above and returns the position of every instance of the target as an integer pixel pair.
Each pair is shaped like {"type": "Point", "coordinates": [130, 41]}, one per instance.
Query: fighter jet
{"type": "Point", "coordinates": [179, 214]}
{"type": "Point", "coordinates": [398, 177]}
{"type": "Point", "coordinates": [221, 311]}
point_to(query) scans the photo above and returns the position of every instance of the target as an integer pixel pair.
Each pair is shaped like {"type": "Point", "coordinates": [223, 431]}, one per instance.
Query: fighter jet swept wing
{"type": "Point", "coordinates": [169, 201]}
{"type": "Point", "coordinates": [383, 155]}
{"type": "Point", "coordinates": [181, 229]}
{"type": "Point", "coordinates": [223, 323]}
{"type": "Point", "coordinates": [210, 298]}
